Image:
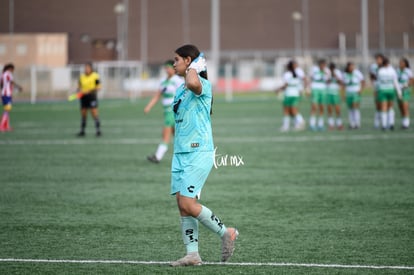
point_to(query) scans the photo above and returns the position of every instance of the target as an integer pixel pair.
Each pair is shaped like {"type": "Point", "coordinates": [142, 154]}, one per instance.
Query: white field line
{"type": "Point", "coordinates": [218, 140]}
{"type": "Point", "coordinates": [208, 263]}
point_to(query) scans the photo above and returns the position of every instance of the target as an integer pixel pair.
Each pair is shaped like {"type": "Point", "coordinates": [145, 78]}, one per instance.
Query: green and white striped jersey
{"type": "Point", "coordinates": [353, 81]}
{"type": "Point", "coordinates": [168, 88]}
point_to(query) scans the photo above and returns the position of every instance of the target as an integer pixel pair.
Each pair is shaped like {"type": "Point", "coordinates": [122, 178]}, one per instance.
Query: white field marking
{"type": "Point", "coordinates": [208, 263]}
{"type": "Point", "coordinates": [218, 140]}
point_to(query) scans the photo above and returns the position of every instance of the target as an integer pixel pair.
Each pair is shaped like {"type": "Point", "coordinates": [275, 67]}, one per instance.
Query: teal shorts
{"type": "Point", "coordinates": [353, 98]}
{"type": "Point", "coordinates": [189, 172]}
{"type": "Point", "coordinates": [291, 101]}
{"type": "Point", "coordinates": [333, 99]}
{"type": "Point", "coordinates": [318, 96]}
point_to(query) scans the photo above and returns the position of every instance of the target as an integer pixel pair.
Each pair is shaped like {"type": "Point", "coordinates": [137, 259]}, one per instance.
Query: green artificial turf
{"type": "Point", "coordinates": [333, 197]}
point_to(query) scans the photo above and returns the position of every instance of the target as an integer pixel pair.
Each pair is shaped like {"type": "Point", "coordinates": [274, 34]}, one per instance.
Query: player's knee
{"type": "Point", "coordinates": [7, 107]}
{"type": "Point", "coordinates": [187, 206]}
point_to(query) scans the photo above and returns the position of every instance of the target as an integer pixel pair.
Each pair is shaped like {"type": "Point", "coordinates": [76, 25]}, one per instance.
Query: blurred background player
{"type": "Point", "coordinates": [167, 93]}
{"type": "Point", "coordinates": [334, 98]}
{"type": "Point", "coordinates": [373, 71]}
{"type": "Point", "coordinates": [319, 77]}
{"type": "Point", "coordinates": [89, 85]}
{"type": "Point", "coordinates": [387, 85]}
{"type": "Point", "coordinates": [293, 85]}
{"type": "Point", "coordinates": [194, 154]}
{"type": "Point", "coordinates": [7, 85]}
{"type": "Point", "coordinates": [354, 83]}
{"type": "Point", "coordinates": [406, 80]}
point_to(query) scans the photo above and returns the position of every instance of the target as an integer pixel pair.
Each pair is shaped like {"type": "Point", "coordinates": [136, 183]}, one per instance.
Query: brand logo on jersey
{"type": "Point", "coordinates": [195, 145]}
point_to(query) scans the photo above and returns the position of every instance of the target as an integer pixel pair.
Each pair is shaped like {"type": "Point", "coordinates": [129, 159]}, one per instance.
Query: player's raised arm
{"type": "Point", "coordinates": [197, 66]}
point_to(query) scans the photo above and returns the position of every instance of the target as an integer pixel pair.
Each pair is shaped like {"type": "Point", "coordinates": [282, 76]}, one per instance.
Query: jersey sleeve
{"type": "Point", "coordinates": [300, 73]}
{"type": "Point", "coordinates": [205, 87]}
{"type": "Point", "coordinates": [409, 73]}
{"type": "Point", "coordinates": [360, 75]}
{"type": "Point", "coordinates": [338, 75]}
{"type": "Point", "coordinates": [286, 77]}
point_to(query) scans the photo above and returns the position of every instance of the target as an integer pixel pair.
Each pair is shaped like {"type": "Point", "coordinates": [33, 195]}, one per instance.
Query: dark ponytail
{"type": "Point", "coordinates": [291, 68]}
{"type": "Point", "coordinates": [406, 62]}
{"type": "Point", "coordinates": [348, 67]}
{"type": "Point", "coordinates": [385, 61]}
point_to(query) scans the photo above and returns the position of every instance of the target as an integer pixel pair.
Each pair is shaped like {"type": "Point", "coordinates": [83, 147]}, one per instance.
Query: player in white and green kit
{"type": "Point", "coordinates": [373, 72]}
{"type": "Point", "coordinates": [319, 77]}
{"type": "Point", "coordinates": [334, 98]}
{"type": "Point", "coordinates": [166, 93]}
{"type": "Point", "coordinates": [292, 87]}
{"type": "Point", "coordinates": [406, 80]}
{"type": "Point", "coordinates": [194, 155]}
{"type": "Point", "coordinates": [388, 86]}
{"type": "Point", "coordinates": [354, 83]}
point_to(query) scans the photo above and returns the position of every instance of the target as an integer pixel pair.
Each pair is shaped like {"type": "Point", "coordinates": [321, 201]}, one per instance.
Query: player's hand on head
{"type": "Point", "coordinates": [199, 64]}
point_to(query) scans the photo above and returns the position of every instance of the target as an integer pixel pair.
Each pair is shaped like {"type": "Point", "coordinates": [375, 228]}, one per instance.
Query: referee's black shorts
{"type": "Point", "coordinates": [89, 101]}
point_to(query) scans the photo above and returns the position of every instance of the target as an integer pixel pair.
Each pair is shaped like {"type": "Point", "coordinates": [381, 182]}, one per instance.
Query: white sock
{"type": "Point", "coordinates": [377, 119]}
{"type": "Point", "coordinates": [286, 122]}
{"type": "Point", "coordinates": [357, 114]}
{"type": "Point", "coordinates": [331, 122]}
{"type": "Point", "coordinates": [320, 122]}
{"type": "Point", "coordinates": [298, 119]}
{"type": "Point", "coordinates": [351, 118]}
{"type": "Point", "coordinates": [161, 150]}
{"type": "Point", "coordinates": [312, 121]}
{"type": "Point", "coordinates": [391, 117]}
{"type": "Point", "coordinates": [338, 122]}
{"type": "Point", "coordinates": [406, 121]}
{"type": "Point", "coordinates": [384, 120]}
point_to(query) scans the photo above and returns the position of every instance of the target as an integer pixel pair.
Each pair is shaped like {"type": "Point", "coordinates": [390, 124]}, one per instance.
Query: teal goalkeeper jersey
{"type": "Point", "coordinates": [192, 119]}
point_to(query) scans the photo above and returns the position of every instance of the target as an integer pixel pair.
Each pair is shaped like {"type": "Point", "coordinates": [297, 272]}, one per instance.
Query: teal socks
{"type": "Point", "coordinates": [211, 221]}
{"type": "Point", "coordinates": [189, 229]}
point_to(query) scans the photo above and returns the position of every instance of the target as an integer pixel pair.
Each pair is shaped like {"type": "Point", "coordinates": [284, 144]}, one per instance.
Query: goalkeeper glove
{"type": "Point", "coordinates": [199, 64]}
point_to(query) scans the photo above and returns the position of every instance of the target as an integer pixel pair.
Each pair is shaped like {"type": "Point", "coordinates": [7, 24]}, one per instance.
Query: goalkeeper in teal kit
{"type": "Point", "coordinates": [194, 155]}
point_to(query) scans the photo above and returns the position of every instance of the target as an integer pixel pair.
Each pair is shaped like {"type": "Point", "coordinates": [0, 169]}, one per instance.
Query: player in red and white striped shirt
{"type": "Point", "coordinates": [7, 85]}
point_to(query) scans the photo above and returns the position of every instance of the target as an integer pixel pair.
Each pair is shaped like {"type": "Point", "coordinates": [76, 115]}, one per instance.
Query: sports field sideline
{"type": "Point", "coordinates": [333, 202]}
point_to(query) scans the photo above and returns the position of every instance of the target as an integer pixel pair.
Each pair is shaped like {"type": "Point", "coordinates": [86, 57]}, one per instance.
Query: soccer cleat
{"type": "Point", "coordinates": [153, 159]}
{"type": "Point", "coordinates": [284, 129]}
{"type": "Point", "coordinates": [300, 126]}
{"type": "Point", "coordinates": [192, 258]}
{"type": "Point", "coordinates": [228, 240]}
{"type": "Point", "coordinates": [81, 134]}
{"type": "Point", "coordinates": [98, 133]}
{"type": "Point", "coordinates": [340, 127]}
{"type": "Point", "coordinates": [392, 127]}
